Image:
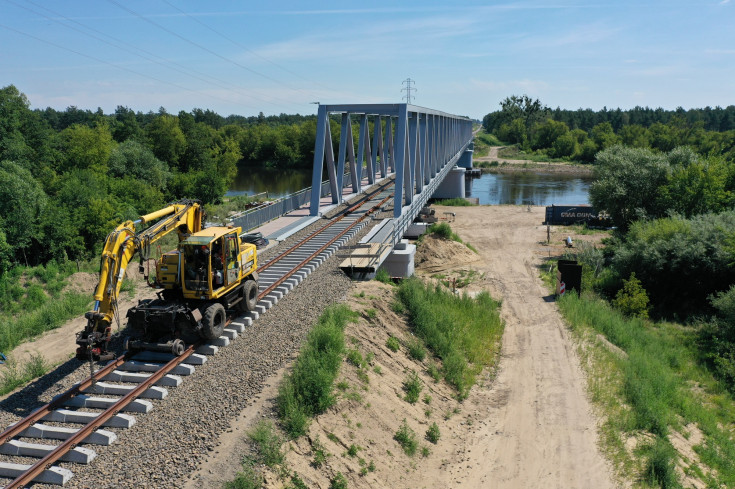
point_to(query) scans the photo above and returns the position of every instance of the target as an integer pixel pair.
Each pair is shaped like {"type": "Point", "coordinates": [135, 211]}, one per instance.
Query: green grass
{"type": "Point", "coordinates": [483, 141]}
{"type": "Point", "coordinates": [382, 275]}
{"type": "Point", "coordinates": [416, 349]}
{"type": "Point", "coordinates": [247, 478]}
{"type": "Point", "coordinates": [455, 202]}
{"type": "Point", "coordinates": [14, 375]}
{"type": "Point", "coordinates": [308, 389]}
{"type": "Point", "coordinates": [463, 332]}
{"type": "Point", "coordinates": [48, 316]}
{"type": "Point", "coordinates": [268, 444]}
{"type": "Point", "coordinates": [412, 386]}
{"type": "Point", "coordinates": [444, 230]}
{"type": "Point", "coordinates": [393, 344]}
{"type": "Point", "coordinates": [354, 357]}
{"type": "Point", "coordinates": [655, 380]}
{"type": "Point", "coordinates": [406, 437]}
{"type": "Point", "coordinates": [432, 434]}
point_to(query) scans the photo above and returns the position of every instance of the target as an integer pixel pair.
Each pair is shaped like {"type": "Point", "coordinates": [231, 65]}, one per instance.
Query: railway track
{"type": "Point", "coordinates": [129, 384]}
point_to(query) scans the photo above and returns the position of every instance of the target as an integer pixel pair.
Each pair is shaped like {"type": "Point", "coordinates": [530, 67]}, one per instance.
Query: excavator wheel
{"type": "Point", "coordinates": [213, 321]}
{"type": "Point", "coordinates": [249, 296]}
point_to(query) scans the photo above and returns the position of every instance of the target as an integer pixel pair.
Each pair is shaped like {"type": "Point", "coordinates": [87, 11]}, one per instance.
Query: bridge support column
{"type": "Point", "coordinates": [400, 262]}
{"type": "Point", "coordinates": [465, 161]}
{"type": "Point", "coordinates": [453, 185]}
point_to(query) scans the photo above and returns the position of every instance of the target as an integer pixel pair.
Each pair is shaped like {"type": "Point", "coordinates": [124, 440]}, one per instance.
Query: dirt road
{"type": "Point", "coordinates": [538, 430]}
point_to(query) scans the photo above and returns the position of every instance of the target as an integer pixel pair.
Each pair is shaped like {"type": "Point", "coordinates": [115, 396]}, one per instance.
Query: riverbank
{"type": "Point", "coordinates": [494, 163]}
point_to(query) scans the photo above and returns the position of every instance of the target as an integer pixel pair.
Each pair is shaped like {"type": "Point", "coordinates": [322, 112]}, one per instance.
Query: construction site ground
{"type": "Point", "coordinates": [528, 423]}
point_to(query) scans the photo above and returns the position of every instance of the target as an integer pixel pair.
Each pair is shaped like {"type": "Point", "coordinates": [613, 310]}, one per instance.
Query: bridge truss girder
{"type": "Point", "coordinates": [417, 144]}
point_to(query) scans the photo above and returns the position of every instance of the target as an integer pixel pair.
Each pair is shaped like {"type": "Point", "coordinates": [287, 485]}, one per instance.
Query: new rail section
{"type": "Point", "coordinates": [151, 370]}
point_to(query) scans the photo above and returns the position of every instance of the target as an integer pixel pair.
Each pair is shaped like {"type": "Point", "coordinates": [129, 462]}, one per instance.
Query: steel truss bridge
{"type": "Point", "coordinates": [417, 145]}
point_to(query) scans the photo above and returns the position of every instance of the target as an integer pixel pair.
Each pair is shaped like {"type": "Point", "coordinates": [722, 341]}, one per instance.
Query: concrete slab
{"type": "Point", "coordinates": [78, 455]}
{"type": "Point", "coordinates": [134, 366]}
{"type": "Point", "coordinates": [229, 333]}
{"type": "Point", "coordinates": [84, 401]}
{"type": "Point", "coordinates": [162, 357]}
{"type": "Point", "coordinates": [221, 341]}
{"type": "Point", "coordinates": [138, 377]}
{"type": "Point", "coordinates": [108, 389]}
{"type": "Point", "coordinates": [86, 417]}
{"type": "Point", "coordinates": [207, 350]}
{"type": "Point", "coordinates": [44, 431]}
{"type": "Point", "coordinates": [52, 475]}
{"type": "Point", "coordinates": [239, 327]}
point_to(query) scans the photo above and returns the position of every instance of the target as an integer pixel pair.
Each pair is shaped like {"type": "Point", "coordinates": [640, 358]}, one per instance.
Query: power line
{"type": "Point", "coordinates": [408, 88]}
{"type": "Point", "coordinates": [203, 48]}
{"type": "Point", "coordinates": [236, 43]}
{"type": "Point", "coordinates": [148, 56]}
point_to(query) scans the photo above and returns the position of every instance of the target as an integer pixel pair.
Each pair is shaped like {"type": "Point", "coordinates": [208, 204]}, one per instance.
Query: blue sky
{"type": "Point", "coordinates": [243, 57]}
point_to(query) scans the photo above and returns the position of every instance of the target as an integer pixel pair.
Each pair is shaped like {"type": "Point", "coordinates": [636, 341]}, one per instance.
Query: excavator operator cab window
{"type": "Point", "coordinates": [196, 266]}
{"type": "Point", "coordinates": [218, 279]}
{"type": "Point", "coordinates": [231, 255]}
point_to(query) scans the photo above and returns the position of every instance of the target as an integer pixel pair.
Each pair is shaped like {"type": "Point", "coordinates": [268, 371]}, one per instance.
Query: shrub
{"type": "Point", "coordinates": [406, 437]}
{"type": "Point", "coordinates": [432, 434]}
{"type": "Point", "coordinates": [412, 386]}
{"type": "Point", "coordinates": [307, 390]}
{"type": "Point", "coordinates": [632, 299]}
{"type": "Point", "coordinates": [463, 332]}
{"type": "Point", "coordinates": [416, 349]}
{"type": "Point", "coordinates": [382, 275]}
{"type": "Point", "coordinates": [355, 358]}
{"type": "Point", "coordinates": [247, 478]}
{"type": "Point", "coordinates": [660, 470]}
{"type": "Point", "coordinates": [268, 444]}
{"type": "Point", "coordinates": [338, 482]}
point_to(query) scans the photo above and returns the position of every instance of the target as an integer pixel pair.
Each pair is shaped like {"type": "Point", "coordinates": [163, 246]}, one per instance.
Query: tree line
{"type": "Point", "coordinates": [580, 134]}
{"type": "Point", "coordinates": [68, 177]}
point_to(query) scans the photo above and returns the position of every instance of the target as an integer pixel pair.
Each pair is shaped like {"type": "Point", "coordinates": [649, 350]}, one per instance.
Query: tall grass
{"type": "Point", "coordinates": [50, 315]}
{"type": "Point", "coordinates": [455, 202]}
{"type": "Point", "coordinates": [15, 375]}
{"type": "Point", "coordinates": [463, 331]}
{"type": "Point", "coordinates": [308, 389]}
{"type": "Point", "coordinates": [660, 367]}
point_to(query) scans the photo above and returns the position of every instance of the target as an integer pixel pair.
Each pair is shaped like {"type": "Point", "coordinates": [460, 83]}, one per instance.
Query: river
{"type": "Point", "coordinates": [520, 188]}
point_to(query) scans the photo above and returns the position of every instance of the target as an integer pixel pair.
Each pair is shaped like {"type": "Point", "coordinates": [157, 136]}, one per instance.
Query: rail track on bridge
{"type": "Point", "coordinates": [129, 381]}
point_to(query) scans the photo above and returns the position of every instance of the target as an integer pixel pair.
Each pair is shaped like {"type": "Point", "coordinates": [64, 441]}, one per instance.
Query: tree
{"type": "Point", "coordinates": [135, 160]}
{"type": "Point", "coordinates": [86, 148]}
{"type": "Point", "coordinates": [545, 133]}
{"type": "Point", "coordinates": [22, 202]}
{"type": "Point", "coordinates": [627, 182]}
{"type": "Point", "coordinates": [166, 139]}
{"type": "Point", "coordinates": [514, 107]}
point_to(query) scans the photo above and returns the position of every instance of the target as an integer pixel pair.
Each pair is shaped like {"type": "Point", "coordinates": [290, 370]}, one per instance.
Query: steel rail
{"type": "Point", "coordinates": [69, 444]}
{"type": "Point", "coordinates": [332, 222]}
{"type": "Point", "coordinates": [38, 414]}
{"type": "Point", "coordinates": [324, 247]}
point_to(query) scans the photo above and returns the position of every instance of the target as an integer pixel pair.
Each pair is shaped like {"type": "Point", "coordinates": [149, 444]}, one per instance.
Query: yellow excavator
{"type": "Point", "coordinates": [211, 271]}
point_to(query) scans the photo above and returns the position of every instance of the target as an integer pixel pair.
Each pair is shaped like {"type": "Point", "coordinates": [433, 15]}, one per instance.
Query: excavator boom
{"type": "Point", "coordinates": [186, 217]}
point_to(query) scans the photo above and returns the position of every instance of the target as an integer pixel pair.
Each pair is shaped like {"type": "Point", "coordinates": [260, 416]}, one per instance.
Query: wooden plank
{"type": "Point", "coordinates": [365, 259]}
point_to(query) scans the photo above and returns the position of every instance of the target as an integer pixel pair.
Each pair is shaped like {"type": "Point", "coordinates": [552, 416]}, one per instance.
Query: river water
{"type": "Point", "coordinates": [523, 188]}
{"type": "Point", "coordinates": [520, 188]}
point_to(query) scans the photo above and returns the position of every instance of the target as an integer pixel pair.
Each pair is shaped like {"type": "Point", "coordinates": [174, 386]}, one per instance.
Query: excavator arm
{"type": "Point", "coordinates": [185, 217]}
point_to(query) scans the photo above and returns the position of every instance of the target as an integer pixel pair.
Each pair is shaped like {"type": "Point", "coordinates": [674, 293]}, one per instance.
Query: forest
{"type": "Point", "coordinates": [578, 135]}
{"type": "Point", "coordinates": [68, 177]}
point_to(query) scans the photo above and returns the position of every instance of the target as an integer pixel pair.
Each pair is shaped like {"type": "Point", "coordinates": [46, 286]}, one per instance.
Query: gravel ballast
{"type": "Point", "coordinates": [165, 446]}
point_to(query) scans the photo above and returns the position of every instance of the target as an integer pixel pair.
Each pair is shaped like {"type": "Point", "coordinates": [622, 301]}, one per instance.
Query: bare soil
{"type": "Point", "coordinates": [528, 424]}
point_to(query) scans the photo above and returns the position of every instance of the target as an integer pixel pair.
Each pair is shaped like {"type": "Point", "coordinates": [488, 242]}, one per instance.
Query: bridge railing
{"type": "Point", "coordinates": [257, 216]}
